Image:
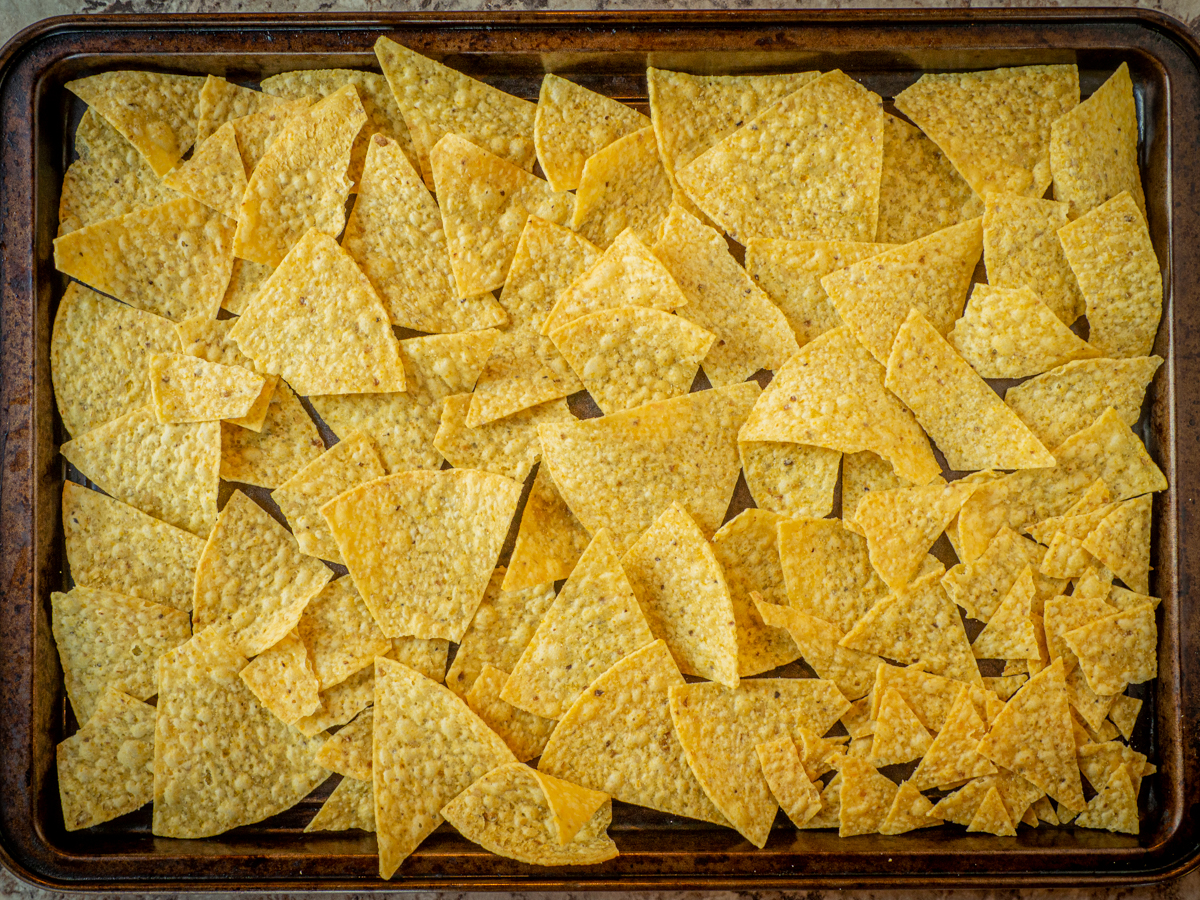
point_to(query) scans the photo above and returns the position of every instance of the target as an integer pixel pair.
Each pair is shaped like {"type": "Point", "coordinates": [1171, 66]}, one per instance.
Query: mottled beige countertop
{"type": "Point", "coordinates": [16, 14]}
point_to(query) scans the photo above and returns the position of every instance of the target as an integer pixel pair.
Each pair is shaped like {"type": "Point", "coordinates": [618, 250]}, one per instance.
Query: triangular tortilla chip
{"type": "Point", "coordinates": [109, 179]}
{"type": "Point", "coordinates": [852, 671]}
{"type": "Point", "coordinates": [930, 696]}
{"type": "Point", "coordinates": [300, 183]}
{"type": "Point", "coordinates": [257, 131]}
{"type": "Point", "coordinates": [683, 450]}
{"type": "Point", "coordinates": [238, 587]}
{"type": "Point", "coordinates": [980, 587]}
{"type": "Point", "coordinates": [790, 273]}
{"type": "Point", "coordinates": [827, 571]}
{"type": "Point", "coordinates": [1011, 333]}
{"type": "Point", "coordinates": [525, 369]}
{"type": "Point", "coordinates": [404, 425]}
{"type": "Point", "coordinates": [573, 124]}
{"type": "Point", "coordinates": [1021, 250]}
{"type": "Point", "coordinates": [681, 589]}
{"type": "Point", "coordinates": [282, 679]}
{"type": "Point", "coordinates": [155, 112]}
{"type": "Point", "coordinates": [287, 441]}
{"type": "Point", "coordinates": [319, 324]}
{"type": "Point", "coordinates": [790, 479]}
{"type": "Point", "coordinates": [1096, 584]}
{"type": "Point", "coordinates": [1120, 598]}
{"type": "Point", "coordinates": [919, 192]}
{"type": "Point", "coordinates": [1099, 762]}
{"type": "Point", "coordinates": [1093, 148]}
{"type": "Point", "coordinates": [910, 810]}
{"type": "Point", "coordinates": [1114, 808]}
{"type": "Point", "coordinates": [1032, 737]}
{"type": "Point", "coordinates": [995, 125]}
{"type": "Point", "coordinates": [594, 621]}
{"type": "Point", "coordinates": [120, 456]}
{"type": "Point", "coordinates": [173, 259]}
{"type": "Point", "coordinates": [395, 235]}
{"type": "Point", "coordinates": [1091, 707]}
{"type": "Point", "coordinates": [917, 624]}
{"type": "Point", "coordinates": [436, 100]}
{"type": "Point", "coordinates": [627, 274]}
{"type": "Point", "coordinates": [429, 748]}
{"type": "Point", "coordinates": [992, 816]}
{"type": "Point", "coordinates": [92, 388]}
{"type": "Point", "coordinates": [349, 752]}
{"type": "Point", "coordinates": [421, 546]}
{"type": "Point", "coordinates": [974, 431]}
{"type": "Point", "coordinates": [1009, 632]}
{"type": "Point", "coordinates": [484, 201]}
{"type": "Point", "coordinates": [550, 539]}
{"type": "Point", "coordinates": [866, 798]}
{"type": "Point", "coordinates": [1122, 542]}
{"type": "Point", "coordinates": [186, 389]}
{"type": "Point", "coordinates": [1096, 496]}
{"type": "Point", "coordinates": [341, 637]}
{"type": "Point", "coordinates": [807, 168]}
{"type": "Point", "coordinates": [1124, 714]}
{"type": "Point", "coordinates": [866, 471]}
{"type": "Point", "coordinates": [932, 275]}
{"type": "Point", "coordinates": [214, 175]}
{"type": "Point", "coordinates": [819, 755]}
{"type": "Point", "coordinates": [747, 549]}
{"type": "Point", "coordinates": [831, 805]}
{"type": "Point", "coordinates": [1117, 650]}
{"type": "Point", "coordinates": [351, 805]}
{"type": "Point", "coordinates": [507, 446]}
{"type": "Point", "coordinates": [630, 356]}
{"type": "Point", "coordinates": [624, 186]}
{"type": "Point", "coordinates": [221, 101]}
{"type": "Point", "coordinates": [209, 339]}
{"type": "Point", "coordinates": [952, 757]}
{"type": "Point", "coordinates": [244, 282]}
{"type": "Point", "coordinates": [840, 404]}
{"type": "Point", "coordinates": [793, 791]}
{"type": "Point", "coordinates": [524, 732]}
{"type": "Point", "coordinates": [106, 639]}
{"type": "Point", "coordinates": [901, 525]}
{"type": "Point", "coordinates": [1016, 796]}
{"type": "Point", "coordinates": [341, 703]}
{"type": "Point", "coordinates": [106, 769]}
{"type": "Point", "coordinates": [899, 735]}
{"type": "Point", "coordinates": [752, 332]}
{"type": "Point", "coordinates": [213, 737]}
{"type": "Point", "coordinates": [1065, 614]}
{"type": "Point", "coordinates": [1111, 254]}
{"type": "Point", "coordinates": [719, 728]}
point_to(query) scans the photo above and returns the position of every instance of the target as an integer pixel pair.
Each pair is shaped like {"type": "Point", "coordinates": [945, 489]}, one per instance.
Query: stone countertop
{"type": "Point", "coordinates": [17, 14]}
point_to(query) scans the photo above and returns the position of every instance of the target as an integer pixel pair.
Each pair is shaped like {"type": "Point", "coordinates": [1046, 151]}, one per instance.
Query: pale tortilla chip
{"type": "Point", "coordinates": [866, 798]}
{"type": "Point", "coordinates": [524, 733]}
{"type": "Point", "coordinates": [209, 339]}
{"type": "Point", "coordinates": [258, 131]}
{"type": "Point", "coordinates": [349, 752]}
{"type": "Point", "coordinates": [184, 388]}
{"type": "Point", "coordinates": [341, 703]}
{"type": "Point", "coordinates": [287, 441]}
{"type": "Point", "coordinates": [899, 735]}
{"type": "Point", "coordinates": [1091, 707]}
{"type": "Point", "coordinates": [1117, 650]}
{"type": "Point", "coordinates": [1124, 714]}
{"type": "Point", "coordinates": [1065, 614]}
{"type": "Point", "coordinates": [1009, 633]}
{"type": "Point", "coordinates": [1007, 685]}
{"type": "Point", "coordinates": [980, 586]}
{"type": "Point", "coordinates": [340, 634]}
{"type": "Point", "coordinates": [351, 805]}
{"type": "Point", "coordinates": [282, 679]}
{"type": "Point", "coordinates": [550, 539]}
{"type": "Point", "coordinates": [831, 806]}
{"type": "Point", "coordinates": [1114, 808]}
{"type": "Point", "coordinates": [221, 101]}
{"type": "Point", "coordinates": [862, 472]}
{"type": "Point", "coordinates": [625, 185]}
{"type": "Point", "coordinates": [790, 479]}
{"type": "Point", "coordinates": [910, 810]}
{"type": "Point", "coordinates": [507, 446]}
{"type": "Point", "coordinates": [244, 283]}
{"type": "Point", "coordinates": [952, 756]}
{"type": "Point", "coordinates": [1122, 542]}
{"type": "Point", "coordinates": [214, 175]}
{"type": "Point", "coordinates": [1015, 793]}
{"type": "Point", "coordinates": [827, 571]}
{"type": "Point", "coordinates": [930, 696]}
{"type": "Point", "coordinates": [992, 816]}
{"type": "Point", "coordinates": [791, 787]}
{"type": "Point", "coordinates": [818, 641]}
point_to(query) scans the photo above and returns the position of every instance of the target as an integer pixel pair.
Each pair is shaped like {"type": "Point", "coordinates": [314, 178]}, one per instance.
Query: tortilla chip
{"type": "Point", "coordinates": [257, 131]}
{"type": "Point", "coordinates": [952, 756]}
{"type": "Point", "coordinates": [221, 101]}
{"type": "Point", "coordinates": [506, 446]}
{"type": "Point", "coordinates": [827, 571]}
{"type": "Point", "coordinates": [840, 404]}
{"type": "Point", "coordinates": [349, 752]}
{"type": "Point", "coordinates": [1093, 148]}
{"type": "Point", "coordinates": [807, 168]}
{"type": "Point", "coordinates": [909, 811]}
{"type": "Point", "coordinates": [866, 798]}
{"type": "Point", "coordinates": [153, 111]}
{"type": "Point", "coordinates": [790, 273]}
{"type": "Point", "coordinates": [282, 679]}
{"type": "Point", "coordinates": [1115, 807]}
{"type": "Point", "coordinates": [429, 747]}
{"type": "Point", "coordinates": [421, 546]}
{"type": "Point", "coordinates": [899, 735]}
{"type": "Point", "coordinates": [106, 769]}
{"type": "Point", "coordinates": [109, 179]}
{"type": "Point", "coordinates": [831, 806]}
{"type": "Point", "coordinates": [404, 425]}
{"type": "Point", "coordinates": [979, 587]}
{"type": "Point", "coordinates": [994, 126]}
{"type": "Point", "coordinates": [683, 450]}
{"type": "Point", "coordinates": [1091, 707]}
{"type": "Point", "coordinates": [287, 441]}
{"type": "Point", "coordinates": [524, 733]}
{"type": "Point", "coordinates": [1122, 542]}
{"type": "Point", "coordinates": [1117, 650]}
{"type": "Point", "coordinates": [624, 186]}
{"type": "Point", "coordinates": [919, 192]}
{"type": "Point", "coordinates": [857, 719]}
{"type": "Point", "coordinates": [790, 479]}
{"type": "Point", "coordinates": [862, 472]}
{"type": "Point", "coordinates": [719, 727]}
{"type": "Point", "coordinates": [627, 274]}
{"type": "Point", "coordinates": [187, 389]}
{"type": "Point", "coordinates": [1009, 632]}
{"type": "Point", "coordinates": [852, 671]}
{"type": "Point", "coordinates": [341, 703]}
{"type": "Point", "coordinates": [300, 183]}
{"type": "Point", "coordinates": [992, 816]}
{"type": "Point", "coordinates": [1124, 714]}
{"type": "Point", "coordinates": [1065, 614]}
{"type": "Point", "coordinates": [1022, 250]}
{"type": "Point", "coordinates": [173, 259]}
{"type": "Point", "coordinates": [550, 539]}
{"type": "Point", "coordinates": [976, 430]}
{"type": "Point", "coordinates": [525, 368]}
{"type": "Point", "coordinates": [244, 283]}
{"type": "Point", "coordinates": [1100, 761]}
{"type": "Point", "coordinates": [341, 637]}
{"type": "Point", "coordinates": [351, 805]}
{"type": "Point", "coordinates": [1111, 254]}
{"type": "Point", "coordinates": [917, 624]}
{"type": "Point", "coordinates": [209, 340]}
{"type": "Point", "coordinates": [214, 175]}
{"type": "Point", "coordinates": [791, 787]}
{"type": "Point", "coordinates": [1096, 584]}
{"type": "Point", "coordinates": [427, 656]}
{"type": "Point", "coordinates": [1015, 793]}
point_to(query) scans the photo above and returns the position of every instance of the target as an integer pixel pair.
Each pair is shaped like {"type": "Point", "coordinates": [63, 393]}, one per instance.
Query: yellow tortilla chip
{"type": "Point", "coordinates": [282, 679]}
{"type": "Point", "coordinates": [1005, 686]}
{"type": "Point", "coordinates": [1111, 254]}
{"type": "Point", "coordinates": [153, 111]}
{"type": "Point", "coordinates": [952, 756]}
{"type": "Point", "coordinates": [862, 472]}
{"type": "Point", "coordinates": [919, 192]}
{"type": "Point", "coordinates": [429, 747]}
{"type": "Point", "coordinates": [827, 571]}
{"type": "Point", "coordinates": [351, 805]}
{"type": "Point", "coordinates": [187, 389]}
{"type": "Point", "coordinates": [899, 735]}
{"type": "Point", "coordinates": [1117, 650]}
{"type": "Point", "coordinates": [244, 282]}
{"type": "Point", "coordinates": [524, 733]}
{"type": "Point", "coordinates": [994, 126]}
{"type": "Point", "coordinates": [1065, 614]}
{"type": "Point", "coordinates": [257, 131]}
{"type": "Point", "coordinates": [681, 589]}
{"type": "Point", "coordinates": [208, 339]}
{"type": "Point", "coordinates": [1093, 148]}
{"type": "Point", "coordinates": [214, 175]}
{"type": "Point", "coordinates": [507, 446]}
{"type": "Point", "coordinates": [976, 430]}
{"type": "Point", "coordinates": [1099, 762]}
{"type": "Point", "coordinates": [173, 259]}
{"type": "Point", "coordinates": [683, 450]}
{"type": "Point", "coordinates": [931, 275]}
{"type": "Point", "coordinates": [791, 787]}
{"type": "Point", "coordinates": [980, 586]}
{"type": "Point", "coordinates": [106, 769]}
{"type": "Point", "coordinates": [624, 186]}
{"type": "Point", "coordinates": [106, 640]}
{"type": "Point", "coordinates": [237, 582]}
{"type": "Point", "coordinates": [395, 236]}
{"type": "Point", "coordinates": [525, 368]}
{"type": "Point", "coordinates": [992, 816]}
{"type": "Point", "coordinates": [1021, 250]}
{"type": "Point", "coordinates": [1009, 632]}
{"type": "Point", "coordinates": [210, 733]}
{"type": "Point", "coordinates": [818, 641]}
{"type": "Point", "coordinates": [807, 168]}
{"type": "Point", "coordinates": [341, 637]}
{"type": "Point", "coordinates": [341, 703]}
{"type": "Point", "coordinates": [109, 179]}
{"type": "Point", "coordinates": [831, 806]}
{"type": "Point", "coordinates": [421, 546]}
{"type": "Point", "coordinates": [404, 425]}
{"type": "Point", "coordinates": [1115, 807]}
{"type": "Point", "coordinates": [752, 333]}
{"type": "Point", "coordinates": [1090, 706]}
{"type": "Point", "coordinates": [1015, 793]}
{"type": "Point", "coordinates": [930, 696]}
{"type": "Point", "coordinates": [790, 273]}
{"type": "Point", "coordinates": [790, 479]}
{"type": "Point", "coordinates": [573, 124]}
{"type": "Point", "coordinates": [1121, 542]}
{"type": "Point", "coordinates": [1124, 714]}
{"type": "Point", "coordinates": [349, 752]}
{"type": "Point", "coordinates": [550, 539]}
{"type": "Point", "coordinates": [866, 798]}
{"type": "Point", "coordinates": [221, 101]}
{"type": "Point", "coordinates": [841, 404]}
{"type": "Point", "coordinates": [120, 456]}
{"type": "Point", "coordinates": [910, 810]}
{"type": "Point", "coordinates": [287, 441]}
{"type": "Point", "coordinates": [719, 728]}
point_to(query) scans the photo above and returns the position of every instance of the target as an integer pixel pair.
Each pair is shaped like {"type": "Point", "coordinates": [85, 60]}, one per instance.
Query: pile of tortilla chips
{"type": "Point", "coordinates": [490, 605]}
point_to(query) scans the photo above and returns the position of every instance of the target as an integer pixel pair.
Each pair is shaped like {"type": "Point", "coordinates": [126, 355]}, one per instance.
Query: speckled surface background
{"type": "Point", "coordinates": [16, 14]}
